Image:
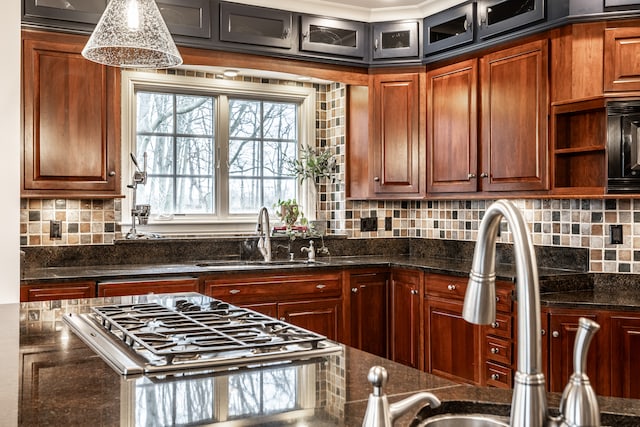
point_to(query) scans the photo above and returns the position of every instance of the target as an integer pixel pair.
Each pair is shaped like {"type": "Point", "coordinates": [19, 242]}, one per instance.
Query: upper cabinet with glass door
{"type": "Point", "coordinates": [255, 25]}
{"type": "Point", "coordinates": [498, 16]}
{"type": "Point", "coordinates": [395, 39]}
{"type": "Point", "coordinates": [189, 18]}
{"type": "Point", "coordinates": [449, 28]}
{"type": "Point", "coordinates": [333, 36]}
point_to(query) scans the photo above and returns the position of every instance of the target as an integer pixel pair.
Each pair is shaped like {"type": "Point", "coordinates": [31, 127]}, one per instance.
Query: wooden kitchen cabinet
{"type": "Point", "coordinates": [621, 70]}
{"type": "Point", "coordinates": [71, 120]}
{"type": "Point", "coordinates": [369, 312]}
{"type": "Point", "coordinates": [563, 325]}
{"type": "Point", "coordinates": [625, 348]}
{"type": "Point", "coordinates": [55, 291]}
{"type": "Point", "coordinates": [487, 122]}
{"type": "Point", "coordinates": [514, 115]}
{"type": "Point", "coordinates": [452, 128]}
{"type": "Point", "coordinates": [397, 148]}
{"type": "Point", "coordinates": [406, 307]}
{"type": "Point", "coordinates": [148, 286]}
{"type": "Point", "coordinates": [309, 300]}
{"type": "Point", "coordinates": [452, 345]}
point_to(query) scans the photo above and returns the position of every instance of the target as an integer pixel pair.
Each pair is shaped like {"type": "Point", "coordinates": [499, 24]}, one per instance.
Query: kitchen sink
{"type": "Point", "coordinates": [465, 420]}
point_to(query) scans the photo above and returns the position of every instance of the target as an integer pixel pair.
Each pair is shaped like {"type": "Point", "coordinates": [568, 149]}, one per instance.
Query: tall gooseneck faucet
{"type": "Point", "coordinates": [529, 402]}
{"type": "Point", "coordinates": [263, 229]}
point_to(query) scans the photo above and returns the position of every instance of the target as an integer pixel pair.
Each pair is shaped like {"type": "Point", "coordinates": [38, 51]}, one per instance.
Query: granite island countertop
{"type": "Point", "coordinates": [63, 382]}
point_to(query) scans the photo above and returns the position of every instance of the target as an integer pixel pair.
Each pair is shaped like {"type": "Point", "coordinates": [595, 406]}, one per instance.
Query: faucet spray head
{"type": "Point", "coordinates": [480, 299]}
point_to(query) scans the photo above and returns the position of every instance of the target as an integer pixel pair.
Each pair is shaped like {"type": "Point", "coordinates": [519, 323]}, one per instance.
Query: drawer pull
{"type": "Point", "coordinates": [495, 325]}
{"type": "Point", "coordinates": [234, 291]}
{"type": "Point", "coordinates": [451, 287]}
{"type": "Point", "coordinates": [321, 286]}
{"type": "Point", "coordinates": [495, 377]}
{"type": "Point", "coordinates": [495, 350]}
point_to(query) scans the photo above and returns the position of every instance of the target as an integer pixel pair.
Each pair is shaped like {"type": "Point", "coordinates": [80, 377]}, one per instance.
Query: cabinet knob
{"type": "Point", "coordinates": [484, 175]}
{"type": "Point", "coordinates": [555, 334]}
{"type": "Point", "coordinates": [234, 291]}
{"type": "Point", "coordinates": [495, 377]}
{"type": "Point", "coordinates": [495, 325]}
{"type": "Point", "coordinates": [471, 175]}
{"type": "Point", "coordinates": [414, 292]}
{"type": "Point", "coordinates": [354, 290]}
{"type": "Point", "coordinates": [112, 173]}
{"type": "Point", "coordinates": [321, 286]}
{"type": "Point", "coordinates": [376, 178]}
{"type": "Point", "coordinates": [543, 332]}
{"type": "Point", "coordinates": [451, 287]}
{"type": "Point", "coordinates": [497, 299]}
{"type": "Point", "coordinates": [495, 350]}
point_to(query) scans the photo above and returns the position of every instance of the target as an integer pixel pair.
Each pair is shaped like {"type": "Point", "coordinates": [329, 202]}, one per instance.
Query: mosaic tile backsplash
{"type": "Point", "coordinates": [563, 223]}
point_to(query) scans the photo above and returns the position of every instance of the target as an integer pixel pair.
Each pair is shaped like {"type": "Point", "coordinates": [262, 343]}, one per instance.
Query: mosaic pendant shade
{"type": "Point", "coordinates": [132, 33]}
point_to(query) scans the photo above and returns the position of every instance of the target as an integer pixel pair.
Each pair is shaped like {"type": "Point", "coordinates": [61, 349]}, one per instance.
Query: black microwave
{"type": "Point", "coordinates": [623, 146]}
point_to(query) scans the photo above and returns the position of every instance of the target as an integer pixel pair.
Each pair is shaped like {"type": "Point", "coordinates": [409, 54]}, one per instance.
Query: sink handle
{"type": "Point", "coordinates": [379, 413]}
{"type": "Point", "coordinates": [579, 406]}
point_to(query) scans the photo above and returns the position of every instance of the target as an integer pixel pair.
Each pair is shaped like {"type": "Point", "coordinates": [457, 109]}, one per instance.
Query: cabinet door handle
{"type": "Point", "coordinates": [414, 292]}
{"type": "Point", "coordinates": [471, 175]}
{"type": "Point", "coordinates": [305, 34]}
{"type": "Point", "coordinates": [321, 286]}
{"type": "Point", "coordinates": [285, 33]}
{"type": "Point", "coordinates": [543, 332]}
{"type": "Point", "coordinates": [376, 178]}
{"type": "Point", "coordinates": [112, 173]}
{"type": "Point", "coordinates": [375, 44]}
{"type": "Point", "coordinates": [354, 290]}
{"type": "Point", "coordinates": [555, 334]}
{"type": "Point", "coordinates": [495, 325]}
{"type": "Point", "coordinates": [234, 291]}
{"type": "Point", "coordinates": [497, 299]}
{"type": "Point", "coordinates": [451, 287]}
{"type": "Point", "coordinates": [484, 175]}
{"type": "Point", "coordinates": [495, 350]}
{"type": "Point", "coordinates": [495, 377]}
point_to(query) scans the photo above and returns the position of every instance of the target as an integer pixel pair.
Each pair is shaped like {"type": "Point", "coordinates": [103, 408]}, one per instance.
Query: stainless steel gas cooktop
{"type": "Point", "coordinates": [191, 332]}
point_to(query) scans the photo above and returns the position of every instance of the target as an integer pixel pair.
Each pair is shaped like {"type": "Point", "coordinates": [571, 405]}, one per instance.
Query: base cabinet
{"type": "Point", "coordinates": [406, 296]}
{"type": "Point", "coordinates": [369, 318]}
{"type": "Point", "coordinates": [148, 286]}
{"type": "Point", "coordinates": [625, 348]}
{"type": "Point", "coordinates": [54, 291]}
{"type": "Point", "coordinates": [321, 316]}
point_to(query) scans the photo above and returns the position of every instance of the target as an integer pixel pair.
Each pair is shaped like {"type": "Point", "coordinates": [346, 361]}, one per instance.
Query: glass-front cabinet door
{"type": "Point", "coordinates": [255, 25]}
{"type": "Point", "coordinates": [333, 36]}
{"type": "Point", "coordinates": [449, 28]}
{"type": "Point", "coordinates": [395, 39]}
{"type": "Point", "coordinates": [497, 16]}
{"type": "Point", "coordinates": [183, 17]}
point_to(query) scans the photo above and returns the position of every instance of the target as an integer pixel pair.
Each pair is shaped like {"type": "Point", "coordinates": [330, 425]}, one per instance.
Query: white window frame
{"type": "Point", "coordinates": [205, 224]}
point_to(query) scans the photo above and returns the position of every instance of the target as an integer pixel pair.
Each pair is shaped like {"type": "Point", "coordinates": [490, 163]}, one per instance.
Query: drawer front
{"type": "Point", "coordinates": [504, 300]}
{"type": "Point", "coordinates": [497, 376]}
{"type": "Point", "coordinates": [275, 287]}
{"type": "Point", "coordinates": [446, 286]}
{"type": "Point", "coordinates": [498, 350]}
{"type": "Point", "coordinates": [502, 327]}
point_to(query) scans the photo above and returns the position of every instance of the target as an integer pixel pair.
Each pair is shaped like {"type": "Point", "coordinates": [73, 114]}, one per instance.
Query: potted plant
{"type": "Point", "coordinates": [313, 164]}
{"type": "Point", "coordinates": [288, 211]}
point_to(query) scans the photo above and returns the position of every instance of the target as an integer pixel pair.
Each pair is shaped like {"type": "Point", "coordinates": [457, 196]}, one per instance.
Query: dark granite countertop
{"type": "Point", "coordinates": [430, 264]}
{"type": "Point", "coordinates": [597, 299]}
{"type": "Point", "coordinates": [52, 379]}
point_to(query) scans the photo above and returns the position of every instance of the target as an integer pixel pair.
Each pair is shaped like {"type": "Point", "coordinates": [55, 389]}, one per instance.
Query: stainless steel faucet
{"type": "Point", "coordinates": [263, 229]}
{"type": "Point", "coordinates": [529, 402]}
{"type": "Point", "coordinates": [382, 414]}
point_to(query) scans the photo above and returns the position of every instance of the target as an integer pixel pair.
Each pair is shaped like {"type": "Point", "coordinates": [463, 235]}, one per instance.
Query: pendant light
{"type": "Point", "coordinates": [132, 33]}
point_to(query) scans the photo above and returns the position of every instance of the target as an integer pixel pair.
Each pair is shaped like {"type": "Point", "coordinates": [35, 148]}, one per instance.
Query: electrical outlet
{"type": "Point", "coordinates": [55, 229]}
{"type": "Point", "coordinates": [369, 224]}
{"type": "Point", "coordinates": [615, 234]}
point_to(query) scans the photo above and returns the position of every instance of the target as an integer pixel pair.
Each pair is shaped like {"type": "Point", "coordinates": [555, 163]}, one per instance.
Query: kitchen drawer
{"type": "Point", "coordinates": [445, 286]}
{"type": "Point", "coordinates": [498, 350]}
{"type": "Point", "coordinates": [55, 291]}
{"type": "Point", "coordinates": [502, 327]}
{"type": "Point", "coordinates": [148, 286]}
{"type": "Point", "coordinates": [498, 376]}
{"type": "Point", "coordinates": [280, 288]}
{"type": "Point", "coordinates": [504, 300]}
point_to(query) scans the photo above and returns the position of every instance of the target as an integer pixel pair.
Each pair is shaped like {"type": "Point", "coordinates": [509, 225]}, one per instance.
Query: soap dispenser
{"type": "Point", "coordinates": [579, 406]}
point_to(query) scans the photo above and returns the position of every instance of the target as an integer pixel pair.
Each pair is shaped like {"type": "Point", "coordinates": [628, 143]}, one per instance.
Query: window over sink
{"type": "Point", "coordinates": [217, 150]}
